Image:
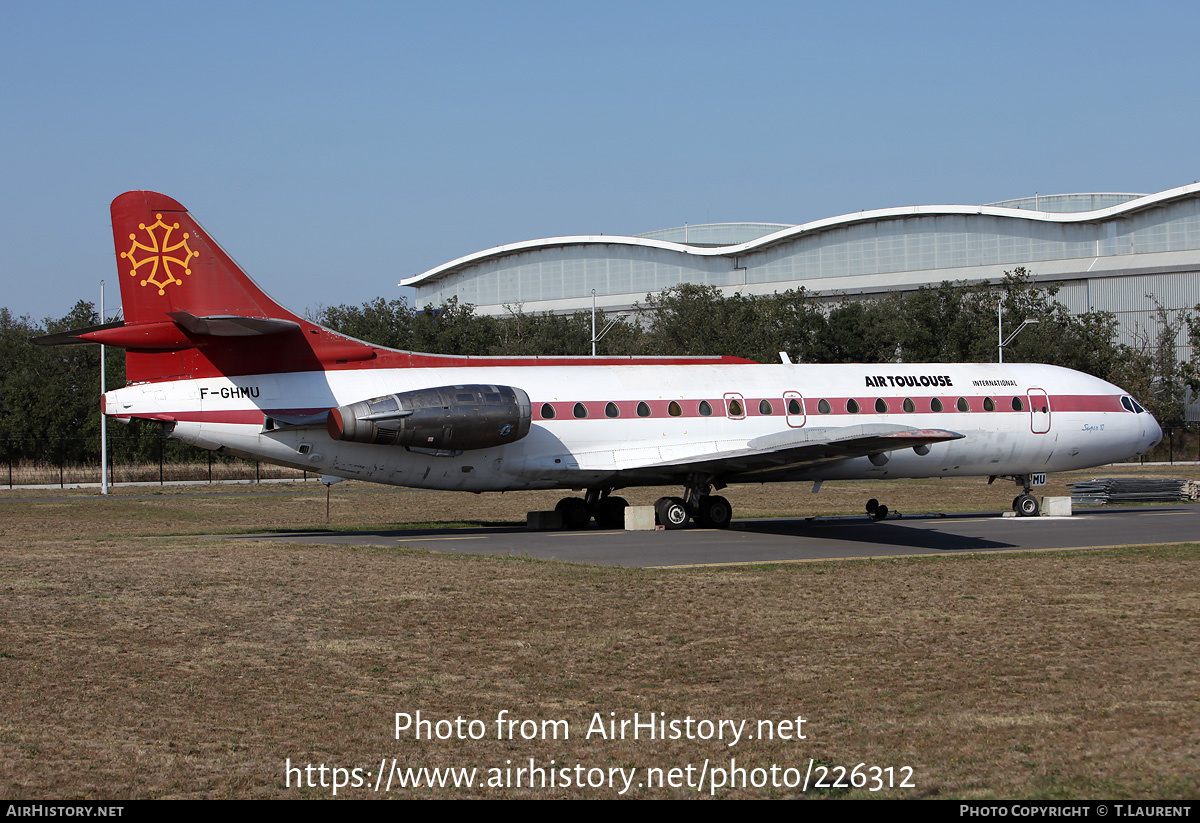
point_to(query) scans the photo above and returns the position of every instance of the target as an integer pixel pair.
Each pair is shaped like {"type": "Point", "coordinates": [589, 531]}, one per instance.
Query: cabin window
{"type": "Point", "coordinates": [643, 409]}
{"type": "Point", "coordinates": [935, 404]}
{"type": "Point", "coordinates": [881, 405]}
{"type": "Point", "coordinates": [705, 408]}
{"type": "Point", "coordinates": [1016, 404]}
{"type": "Point", "coordinates": [674, 410]}
{"type": "Point", "coordinates": [547, 411]}
{"type": "Point", "coordinates": [735, 408]}
{"type": "Point", "coordinates": [963, 405]}
{"type": "Point", "coordinates": [989, 404]}
{"type": "Point", "coordinates": [909, 405]}
{"type": "Point", "coordinates": [794, 407]}
{"type": "Point", "coordinates": [852, 406]}
{"type": "Point", "coordinates": [764, 407]}
{"type": "Point", "coordinates": [823, 406]}
{"type": "Point", "coordinates": [580, 410]}
{"type": "Point", "coordinates": [611, 410]}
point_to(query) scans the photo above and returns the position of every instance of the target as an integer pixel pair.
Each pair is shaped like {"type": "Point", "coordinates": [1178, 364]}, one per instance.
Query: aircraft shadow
{"type": "Point", "coordinates": [919, 533]}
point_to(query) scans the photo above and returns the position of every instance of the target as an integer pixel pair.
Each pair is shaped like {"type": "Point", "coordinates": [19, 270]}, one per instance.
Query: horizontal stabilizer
{"type": "Point", "coordinates": [74, 337]}
{"type": "Point", "coordinates": [182, 331]}
{"type": "Point", "coordinates": [231, 325]}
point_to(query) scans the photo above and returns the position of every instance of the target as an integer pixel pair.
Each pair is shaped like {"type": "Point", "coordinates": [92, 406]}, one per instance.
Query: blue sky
{"type": "Point", "coordinates": [334, 149]}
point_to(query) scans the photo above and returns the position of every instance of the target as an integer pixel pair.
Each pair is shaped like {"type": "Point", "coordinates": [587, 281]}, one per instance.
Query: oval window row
{"type": "Point", "coordinates": [765, 407]}
{"type": "Point", "coordinates": [935, 405]}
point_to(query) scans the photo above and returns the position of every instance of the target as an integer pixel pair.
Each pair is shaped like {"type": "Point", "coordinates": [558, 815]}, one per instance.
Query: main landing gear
{"type": "Point", "coordinates": [608, 511]}
{"type": "Point", "coordinates": [709, 511]}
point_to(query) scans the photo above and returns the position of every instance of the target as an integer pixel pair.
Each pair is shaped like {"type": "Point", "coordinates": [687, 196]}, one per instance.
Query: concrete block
{"type": "Point", "coordinates": [639, 518]}
{"type": "Point", "coordinates": [1056, 506]}
{"type": "Point", "coordinates": [543, 521]}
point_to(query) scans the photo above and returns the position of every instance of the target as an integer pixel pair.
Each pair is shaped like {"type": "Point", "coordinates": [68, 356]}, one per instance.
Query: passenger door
{"type": "Point", "coordinates": [1039, 411]}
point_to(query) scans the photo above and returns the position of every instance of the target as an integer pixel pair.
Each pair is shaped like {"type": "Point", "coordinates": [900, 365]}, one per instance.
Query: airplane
{"type": "Point", "coordinates": [225, 367]}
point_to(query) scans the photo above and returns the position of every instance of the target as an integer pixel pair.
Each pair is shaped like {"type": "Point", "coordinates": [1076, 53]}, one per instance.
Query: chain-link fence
{"type": "Point", "coordinates": [174, 463]}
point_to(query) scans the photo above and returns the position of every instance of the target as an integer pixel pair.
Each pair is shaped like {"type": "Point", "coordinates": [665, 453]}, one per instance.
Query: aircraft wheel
{"type": "Point", "coordinates": [610, 513]}
{"type": "Point", "coordinates": [671, 512]}
{"type": "Point", "coordinates": [872, 505]}
{"type": "Point", "coordinates": [1027, 506]}
{"type": "Point", "coordinates": [714, 512]}
{"type": "Point", "coordinates": [881, 511]}
{"type": "Point", "coordinates": [574, 513]}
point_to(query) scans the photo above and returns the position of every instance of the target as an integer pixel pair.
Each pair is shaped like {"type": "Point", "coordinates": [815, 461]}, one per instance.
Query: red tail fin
{"type": "Point", "coordinates": [167, 263]}
{"type": "Point", "coordinates": [190, 311]}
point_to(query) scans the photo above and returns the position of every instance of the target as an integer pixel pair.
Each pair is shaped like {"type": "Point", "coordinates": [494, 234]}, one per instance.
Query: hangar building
{"type": "Point", "coordinates": [1106, 252]}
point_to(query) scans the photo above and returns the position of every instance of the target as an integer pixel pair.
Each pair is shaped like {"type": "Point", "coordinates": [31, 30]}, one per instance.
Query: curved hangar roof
{"type": "Point", "coordinates": [848, 252]}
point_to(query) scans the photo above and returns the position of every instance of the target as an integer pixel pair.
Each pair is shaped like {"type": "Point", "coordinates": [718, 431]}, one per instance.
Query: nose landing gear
{"type": "Point", "coordinates": [876, 510]}
{"type": "Point", "coordinates": [1024, 504]}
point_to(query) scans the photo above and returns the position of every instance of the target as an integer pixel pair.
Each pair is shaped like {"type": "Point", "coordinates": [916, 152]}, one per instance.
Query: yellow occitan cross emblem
{"type": "Point", "coordinates": [160, 255]}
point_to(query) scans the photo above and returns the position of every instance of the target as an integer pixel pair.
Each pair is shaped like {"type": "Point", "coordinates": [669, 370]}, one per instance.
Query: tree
{"type": "Point", "coordinates": [382, 322]}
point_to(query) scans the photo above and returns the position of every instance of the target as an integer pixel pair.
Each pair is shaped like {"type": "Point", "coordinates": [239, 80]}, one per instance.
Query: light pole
{"type": "Point", "coordinates": [596, 338]}
{"type": "Point", "coordinates": [103, 421]}
{"type": "Point", "coordinates": [1001, 340]}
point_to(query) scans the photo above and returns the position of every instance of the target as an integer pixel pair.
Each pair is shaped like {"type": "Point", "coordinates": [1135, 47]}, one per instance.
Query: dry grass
{"type": "Point", "coordinates": [133, 665]}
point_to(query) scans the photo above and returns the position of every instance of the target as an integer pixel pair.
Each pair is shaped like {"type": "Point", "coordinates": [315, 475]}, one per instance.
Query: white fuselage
{"type": "Point", "coordinates": [1084, 422]}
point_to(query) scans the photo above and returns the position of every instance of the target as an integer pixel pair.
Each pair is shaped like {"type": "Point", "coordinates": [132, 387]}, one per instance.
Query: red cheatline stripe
{"type": "Point", "coordinates": [689, 408]}
{"type": "Point", "coordinates": [565, 409]}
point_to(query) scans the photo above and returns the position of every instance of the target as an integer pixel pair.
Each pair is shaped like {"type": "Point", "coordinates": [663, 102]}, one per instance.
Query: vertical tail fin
{"type": "Point", "coordinates": [168, 263]}
{"type": "Point", "coordinates": [190, 311]}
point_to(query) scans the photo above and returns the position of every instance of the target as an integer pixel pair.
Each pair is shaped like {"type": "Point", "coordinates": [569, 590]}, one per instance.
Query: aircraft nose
{"type": "Point", "coordinates": [1152, 434]}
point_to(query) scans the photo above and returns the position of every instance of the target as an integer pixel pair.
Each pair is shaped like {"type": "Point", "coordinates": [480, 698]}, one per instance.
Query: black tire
{"type": "Point", "coordinates": [872, 505]}
{"type": "Point", "coordinates": [714, 512]}
{"type": "Point", "coordinates": [574, 513]}
{"type": "Point", "coordinates": [610, 513]}
{"type": "Point", "coordinates": [1028, 506]}
{"type": "Point", "coordinates": [671, 512]}
{"type": "Point", "coordinates": [881, 511]}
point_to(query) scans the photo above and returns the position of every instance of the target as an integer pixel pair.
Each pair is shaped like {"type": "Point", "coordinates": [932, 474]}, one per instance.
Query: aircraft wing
{"type": "Point", "coordinates": [800, 448]}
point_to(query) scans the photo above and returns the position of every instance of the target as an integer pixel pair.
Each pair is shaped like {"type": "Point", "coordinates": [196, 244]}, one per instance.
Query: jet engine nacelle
{"type": "Point", "coordinates": [446, 418]}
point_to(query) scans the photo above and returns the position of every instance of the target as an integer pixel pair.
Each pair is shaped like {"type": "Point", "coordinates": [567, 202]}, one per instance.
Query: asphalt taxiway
{"type": "Point", "coordinates": [795, 540]}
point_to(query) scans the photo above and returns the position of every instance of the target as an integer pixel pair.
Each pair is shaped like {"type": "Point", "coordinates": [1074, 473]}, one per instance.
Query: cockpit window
{"type": "Point", "coordinates": [1127, 403]}
{"type": "Point", "coordinates": [1137, 406]}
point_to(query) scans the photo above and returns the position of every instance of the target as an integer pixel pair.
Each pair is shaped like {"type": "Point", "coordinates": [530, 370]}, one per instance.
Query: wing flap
{"type": "Point", "coordinates": [807, 447]}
